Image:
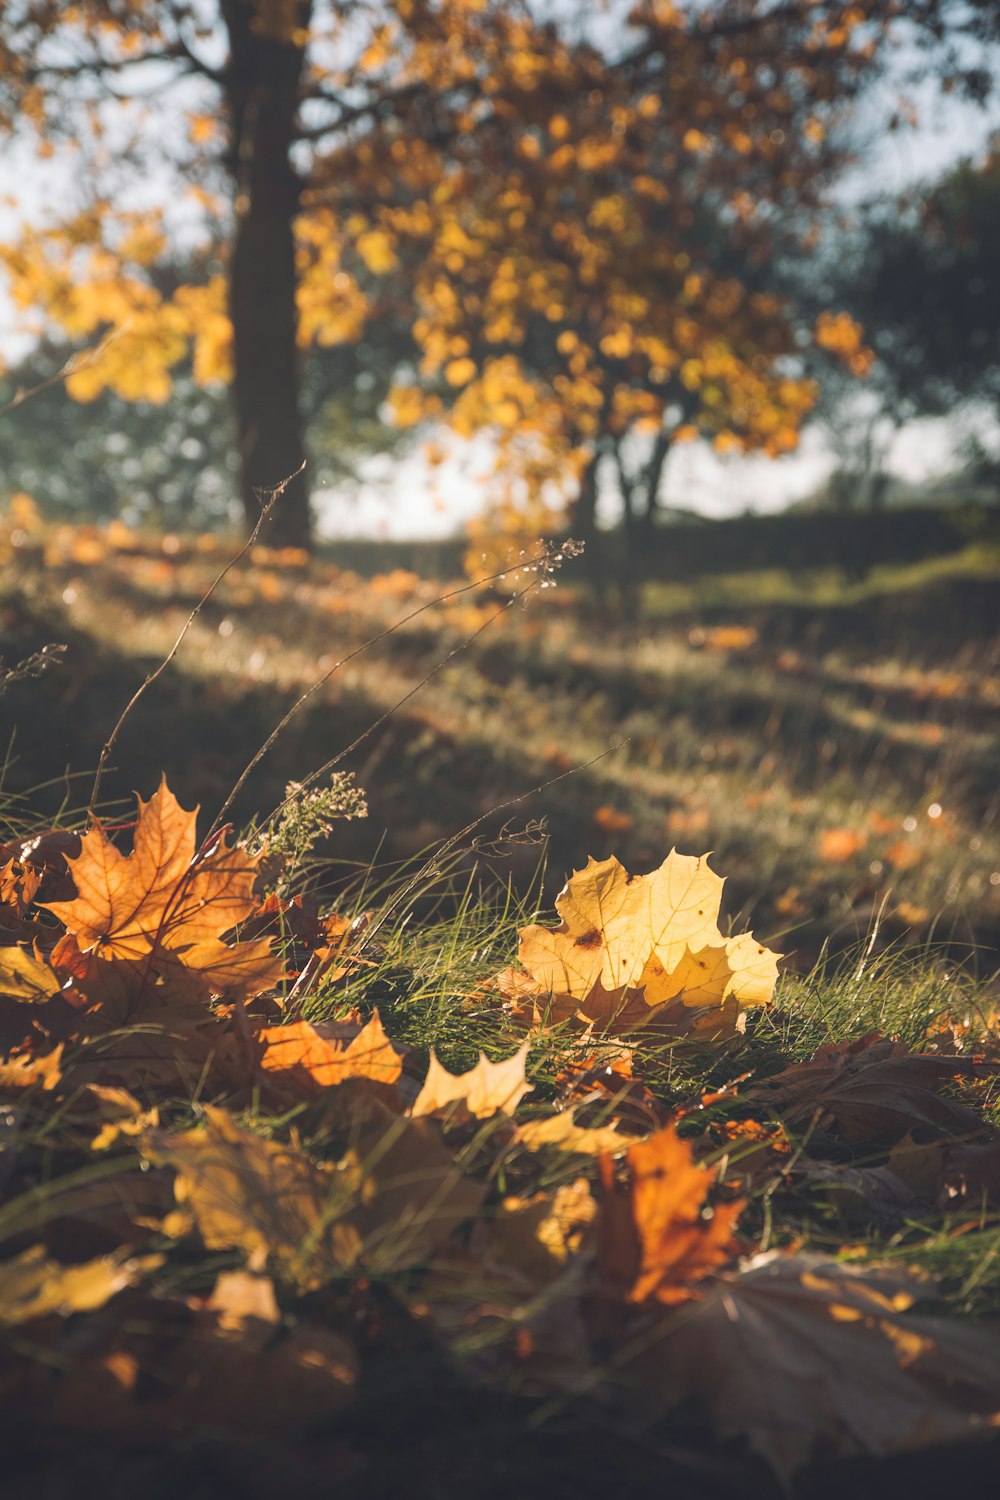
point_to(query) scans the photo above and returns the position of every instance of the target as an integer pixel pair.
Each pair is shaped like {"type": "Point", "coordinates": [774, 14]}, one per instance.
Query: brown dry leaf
{"type": "Point", "coordinates": [971, 1172]}
{"type": "Point", "coordinates": [560, 1132]}
{"type": "Point", "coordinates": [159, 1368]}
{"type": "Point", "coordinates": [33, 1286]}
{"type": "Point", "coordinates": [242, 1299]}
{"type": "Point", "coordinates": [158, 896]}
{"type": "Point", "coordinates": [19, 885]}
{"type": "Point", "coordinates": [806, 1358]}
{"type": "Point", "coordinates": [25, 1070]}
{"type": "Point", "coordinates": [654, 1238]}
{"type": "Point", "coordinates": [25, 978]}
{"type": "Point", "coordinates": [392, 1198]}
{"type": "Point", "coordinates": [535, 1237]}
{"type": "Point", "coordinates": [638, 950]}
{"type": "Point", "coordinates": [233, 971]}
{"type": "Point", "coordinates": [507, 1303]}
{"type": "Point", "coordinates": [410, 1194]}
{"type": "Point", "coordinates": [872, 1088]}
{"type": "Point", "coordinates": [917, 1176]}
{"type": "Point", "coordinates": [314, 1057]}
{"type": "Point", "coordinates": [121, 1113]}
{"type": "Point", "coordinates": [263, 1198]}
{"type": "Point", "coordinates": [485, 1090]}
{"type": "Point", "coordinates": [149, 1018]}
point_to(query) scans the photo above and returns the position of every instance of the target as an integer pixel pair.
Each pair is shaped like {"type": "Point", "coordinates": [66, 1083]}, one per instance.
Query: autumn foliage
{"type": "Point", "coordinates": [603, 1239]}
{"type": "Point", "coordinates": [571, 225]}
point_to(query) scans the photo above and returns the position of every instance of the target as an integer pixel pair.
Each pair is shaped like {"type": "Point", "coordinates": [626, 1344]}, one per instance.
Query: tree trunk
{"type": "Point", "coordinates": [583, 522]}
{"type": "Point", "coordinates": [262, 93]}
{"type": "Point", "coordinates": [640, 496]}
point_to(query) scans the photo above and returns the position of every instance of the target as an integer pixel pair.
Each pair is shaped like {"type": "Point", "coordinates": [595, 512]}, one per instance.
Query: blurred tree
{"type": "Point", "coordinates": [927, 289]}
{"type": "Point", "coordinates": [302, 150]}
{"type": "Point", "coordinates": [175, 464]}
{"type": "Point", "coordinates": [166, 466]}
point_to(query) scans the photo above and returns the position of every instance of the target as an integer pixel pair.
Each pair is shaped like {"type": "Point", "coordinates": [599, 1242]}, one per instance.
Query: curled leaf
{"type": "Point", "coordinates": [25, 978]}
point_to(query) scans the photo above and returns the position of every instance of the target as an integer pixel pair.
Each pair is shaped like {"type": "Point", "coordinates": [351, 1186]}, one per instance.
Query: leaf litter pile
{"type": "Point", "coordinates": [240, 1207]}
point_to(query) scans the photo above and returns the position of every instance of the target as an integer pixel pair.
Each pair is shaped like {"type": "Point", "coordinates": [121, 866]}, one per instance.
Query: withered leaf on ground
{"type": "Point", "coordinates": [485, 1090]}
{"type": "Point", "coordinates": [385, 1205]}
{"type": "Point", "coordinates": [26, 1070]}
{"type": "Point", "coordinates": [560, 1132]}
{"type": "Point", "coordinates": [145, 1019]}
{"type": "Point", "coordinates": [654, 1239]}
{"type": "Point", "coordinates": [508, 1302]}
{"type": "Point", "coordinates": [25, 978]}
{"type": "Point", "coordinates": [32, 1285]}
{"type": "Point", "coordinates": [873, 1088]}
{"type": "Point", "coordinates": [314, 1057]}
{"type": "Point", "coordinates": [806, 1358]}
{"type": "Point", "coordinates": [159, 896]}
{"type": "Point", "coordinates": [637, 950]}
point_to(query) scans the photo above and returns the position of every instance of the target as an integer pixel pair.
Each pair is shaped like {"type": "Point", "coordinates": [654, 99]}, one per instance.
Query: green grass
{"type": "Point", "coordinates": [445, 919]}
{"type": "Point", "coordinates": [817, 586]}
{"type": "Point", "coordinates": [854, 708]}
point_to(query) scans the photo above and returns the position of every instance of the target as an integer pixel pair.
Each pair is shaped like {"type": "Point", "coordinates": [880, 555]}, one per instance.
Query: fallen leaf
{"type": "Point", "coordinates": [612, 923]}
{"type": "Point", "coordinates": [560, 1132]}
{"type": "Point", "coordinates": [121, 1115]}
{"type": "Point", "coordinates": [233, 971]}
{"type": "Point", "coordinates": [25, 978]}
{"type": "Point", "coordinates": [872, 1088]}
{"type": "Point", "coordinates": [149, 1018]}
{"type": "Point", "coordinates": [33, 1286]}
{"type": "Point", "coordinates": [315, 1057]}
{"type": "Point", "coordinates": [240, 1298]}
{"type": "Point", "coordinates": [19, 885]}
{"type": "Point", "coordinates": [25, 1070]}
{"type": "Point", "coordinates": [654, 1238]}
{"type": "Point", "coordinates": [385, 1205]}
{"type": "Point", "coordinates": [971, 1172]}
{"type": "Point", "coordinates": [807, 1359]}
{"type": "Point", "coordinates": [645, 950]}
{"type": "Point", "coordinates": [485, 1090]}
{"type": "Point", "coordinates": [159, 896]}
{"type": "Point", "coordinates": [611, 820]}
{"type": "Point", "coordinates": [839, 845]}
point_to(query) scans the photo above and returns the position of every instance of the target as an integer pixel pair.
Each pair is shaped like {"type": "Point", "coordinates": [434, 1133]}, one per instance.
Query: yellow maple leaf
{"type": "Point", "coordinates": [631, 950]}
{"type": "Point", "coordinates": [487, 1089]}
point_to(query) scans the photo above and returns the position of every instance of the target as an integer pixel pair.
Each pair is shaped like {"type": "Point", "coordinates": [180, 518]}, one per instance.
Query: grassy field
{"type": "Point", "coordinates": [253, 1236]}
{"type": "Point", "coordinates": [837, 746]}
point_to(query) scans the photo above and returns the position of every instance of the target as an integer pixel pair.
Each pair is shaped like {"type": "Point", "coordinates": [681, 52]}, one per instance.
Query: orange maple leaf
{"type": "Point", "coordinates": [654, 1239]}
{"type": "Point", "coordinates": [317, 1057]}
{"type": "Point", "coordinates": [160, 895]}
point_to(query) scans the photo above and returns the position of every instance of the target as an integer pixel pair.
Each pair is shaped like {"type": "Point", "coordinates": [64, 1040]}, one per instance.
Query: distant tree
{"type": "Point", "coordinates": [265, 120]}
{"type": "Point", "coordinates": [175, 464]}
{"type": "Point", "coordinates": [928, 290]}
